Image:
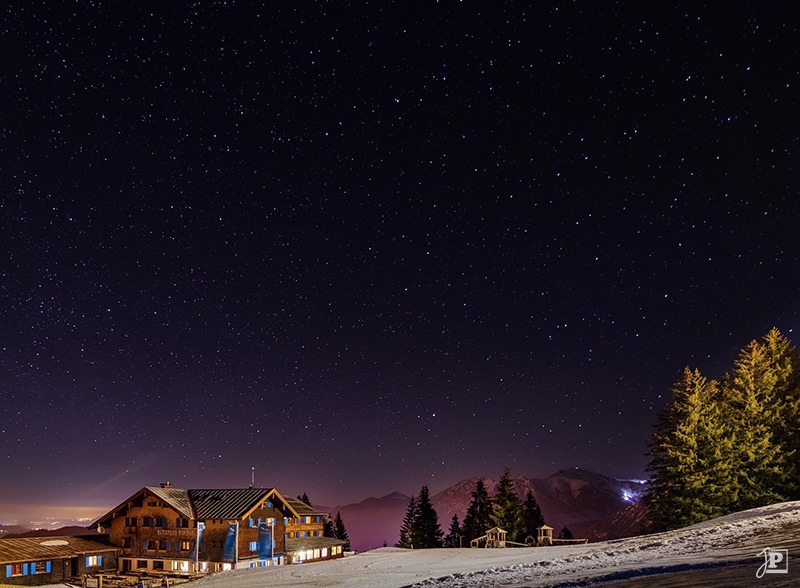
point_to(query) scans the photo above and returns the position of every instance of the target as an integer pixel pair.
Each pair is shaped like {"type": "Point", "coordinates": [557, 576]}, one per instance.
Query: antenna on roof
{"type": "Point", "coordinates": [252, 476]}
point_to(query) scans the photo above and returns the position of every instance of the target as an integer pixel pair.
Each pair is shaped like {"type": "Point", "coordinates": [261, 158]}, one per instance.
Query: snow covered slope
{"type": "Point", "coordinates": [722, 552]}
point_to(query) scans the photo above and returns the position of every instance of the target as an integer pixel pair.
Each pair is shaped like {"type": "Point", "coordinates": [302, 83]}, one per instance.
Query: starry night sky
{"type": "Point", "coordinates": [369, 246]}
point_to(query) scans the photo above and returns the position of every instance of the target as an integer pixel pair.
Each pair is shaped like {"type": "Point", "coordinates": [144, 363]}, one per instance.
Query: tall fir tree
{"type": "Point", "coordinates": [426, 531]}
{"type": "Point", "coordinates": [340, 532]}
{"type": "Point", "coordinates": [328, 529]}
{"type": "Point", "coordinates": [304, 498]}
{"type": "Point", "coordinates": [507, 508]}
{"type": "Point", "coordinates": [751, 403]}
{"type": "Point", "coordinates": [478, 519]}
{"type": "Point", "coordinates": [453, 537]}
{"type": "Point", "coordinates": [532, 517]}
{"type": "Point", "coordinates": [785, 360]}
{"type": "Point", "coordinates": [692, 478]}
{"type": "Point", "coordinates": [409, 524]}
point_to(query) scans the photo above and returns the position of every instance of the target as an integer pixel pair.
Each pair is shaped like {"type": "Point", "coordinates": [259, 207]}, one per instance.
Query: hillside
{"type": "Point", "coordinates": [590, 504]}
{"type": "Point", "coordinates": [718, 553]}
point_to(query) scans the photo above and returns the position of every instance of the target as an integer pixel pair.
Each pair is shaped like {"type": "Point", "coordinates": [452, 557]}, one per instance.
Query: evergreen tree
{"type": "Point", "coordinates": [565, 534]}
{"type": "Point", "coordinates": [507, 511]}
{"type": "Point", "coordinates": [304, 498]}
{"type": "Point", "coordinates": [453, 538]}
{"type": "Point", "coordinates": [753, 407]}
{"type": "Point", "coordinates": [532, 517]}
{"type": "Point", "coordinates": [340, 532]}
{"type": "Point", "coordinates": [327, 527]}
{"type": "Point", "coordinates": [692, 470]}
{"type": "Point", "coordinates": [409, 524]}
{"type": "Point", "coordinates": [426, 532]}
{"type": "Point", "coordinates": [786, 423]}
{"type": "Point", "coordinates": [479, 514]}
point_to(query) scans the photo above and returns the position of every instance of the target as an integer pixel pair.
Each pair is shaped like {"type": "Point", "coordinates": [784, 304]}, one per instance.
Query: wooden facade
{"type": "Point", "coordinates": [171, 531]}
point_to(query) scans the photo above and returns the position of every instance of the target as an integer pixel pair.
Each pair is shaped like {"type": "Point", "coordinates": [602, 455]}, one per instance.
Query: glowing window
{"type": "Point", "coordinates": [324, 552]}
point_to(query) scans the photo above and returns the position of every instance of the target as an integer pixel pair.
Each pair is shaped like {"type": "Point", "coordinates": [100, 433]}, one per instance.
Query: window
{"type": "Point", "coordinates": [324, 552]}
{"type": "Point", "coordinates": [316, 554]}
{"type": "Point", "coordinates": [181, 523]}
{"type": "Point", "coordinates": [40, 567]}
{"type": "Point", "coordinates": [93, 561]}
{"type": "Point", "coordinates": [149, 521]}
{"type": "Point", "coordinates": [145, 546]}
{"type": "Point", "coordinates": [186, 545]}
{"type": "Point", "coordinates": [16, 570]}
{"type": "Point", "coordinates": [162, 545]}
{"type": "Point", "coordinates": [141, 564]}
{"type": "Point", "coordinates": [162, 522]}
{"type": "Point", "coordinates": [307, 520]}
{"type": "Point", "coordinates": [130, 521]}
{"type": "Point", "coordinates": [253, 545]}
{"type": "Point", "coordinates": [158, 565]}
{"type": "Point", "coordinates": [127, 543]}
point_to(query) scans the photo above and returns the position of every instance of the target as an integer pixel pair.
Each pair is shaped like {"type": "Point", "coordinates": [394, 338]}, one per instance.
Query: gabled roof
{"type": "Point", "coordinates": [177, 498]}
{"type": "Point", "coordinates": [40, 548]}
{"type": "Point", "coordinates": [311, 543]}
{"type": "Point", "coordinates": [233, 503]}
{"type": "Point", "coordinates": [301, 508]}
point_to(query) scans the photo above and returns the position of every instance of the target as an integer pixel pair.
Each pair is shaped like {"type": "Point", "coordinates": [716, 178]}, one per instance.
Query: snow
{"type": "Point", "coordinates": [724, 550]}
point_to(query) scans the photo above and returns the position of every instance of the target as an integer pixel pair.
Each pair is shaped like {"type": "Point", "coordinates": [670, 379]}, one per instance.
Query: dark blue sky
{"type": "Point", "coordinates": [366, 247]}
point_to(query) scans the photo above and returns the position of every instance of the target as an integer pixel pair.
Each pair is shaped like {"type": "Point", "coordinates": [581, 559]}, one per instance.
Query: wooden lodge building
{"type": "Point", "coordinates": [31, 561]}
{"type": "Point", "coordinates": [165, 530]}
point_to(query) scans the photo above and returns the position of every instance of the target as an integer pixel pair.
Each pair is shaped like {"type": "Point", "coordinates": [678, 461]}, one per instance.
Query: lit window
{"type": "Point", "coordinates": [94, 561]}
{"type": "Point", "coordinates": [253, 545]}
{"type": "Point", "coordinates": [316, 554]}
{"type": "Point", "coordinates": [186, 545]}
{"type": "Point", "coordinates": [226, 567]}
{"type": "Point", "coordinates": [324, 552]}
{"type": "Point", "coordinates": [184, 567]}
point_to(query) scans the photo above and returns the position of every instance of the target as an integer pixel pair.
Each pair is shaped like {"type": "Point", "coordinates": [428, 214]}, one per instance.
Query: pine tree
{"type": "Point", "coordinates": [565, 534]}
{"type": "Point", "coordinates": [478, 519]}
{"type": "Point", "coordinates": [507, 511]}
{"type": "Point", "coordinates": [409, 524]}
{"type": "Point", "coordinates": [453, 538]}
{"type": "Point", "coordinates": [327, 527]}
{"type": "Point", "coordinates": [751, 404]}
{"type": "Point", "coordinates": [426, 532]}
{"type": "Point", "coordinates": [304, 498]}
{"type": "Point", "coordinates": [340, 532]}
{"type": "Point", "coordinates": [786, 423]}
{"type": "Point", "coordinates": [692, 470]}
{"type": "Point", "coordinates": [532, 517]}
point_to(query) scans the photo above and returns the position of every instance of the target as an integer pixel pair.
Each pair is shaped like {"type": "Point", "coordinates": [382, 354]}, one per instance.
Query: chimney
{"type": "Point", "coordinates": [166, 484]}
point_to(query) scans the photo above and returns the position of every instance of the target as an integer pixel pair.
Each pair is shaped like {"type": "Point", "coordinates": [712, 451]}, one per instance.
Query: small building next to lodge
{"type": "Point", "coordinates": [31, 561]}
{"type": "Point", "coordinates": [165, 530]}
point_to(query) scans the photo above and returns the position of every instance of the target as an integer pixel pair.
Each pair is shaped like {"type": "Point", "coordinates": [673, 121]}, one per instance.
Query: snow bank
{"type": "Point", "coordinates": [732, 540]}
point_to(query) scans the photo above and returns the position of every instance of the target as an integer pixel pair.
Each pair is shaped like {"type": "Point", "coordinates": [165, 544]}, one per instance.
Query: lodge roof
{"type": "Point", "coordinates": [301, 508]}
{"type": "Point", "coordinates": [302, 543]}
{"type": "Point", "coordinates": [232, 503]}
{"type": "Point", "coordinates": [177, 497]}
{"type": "Point", "coordinates": [23, 549]}
{"type": "Point", "coordinates": [226, 504]}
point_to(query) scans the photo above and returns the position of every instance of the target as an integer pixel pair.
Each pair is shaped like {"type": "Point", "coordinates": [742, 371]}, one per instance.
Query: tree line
{"type": "Point", "coordinates": [519, 518]}
{"type": "Point", "coordinates": [731, 444]}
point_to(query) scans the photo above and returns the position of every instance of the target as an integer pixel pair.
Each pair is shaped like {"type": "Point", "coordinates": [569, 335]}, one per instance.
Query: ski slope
{"type": "Point", "coordinates": [720, 552]}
